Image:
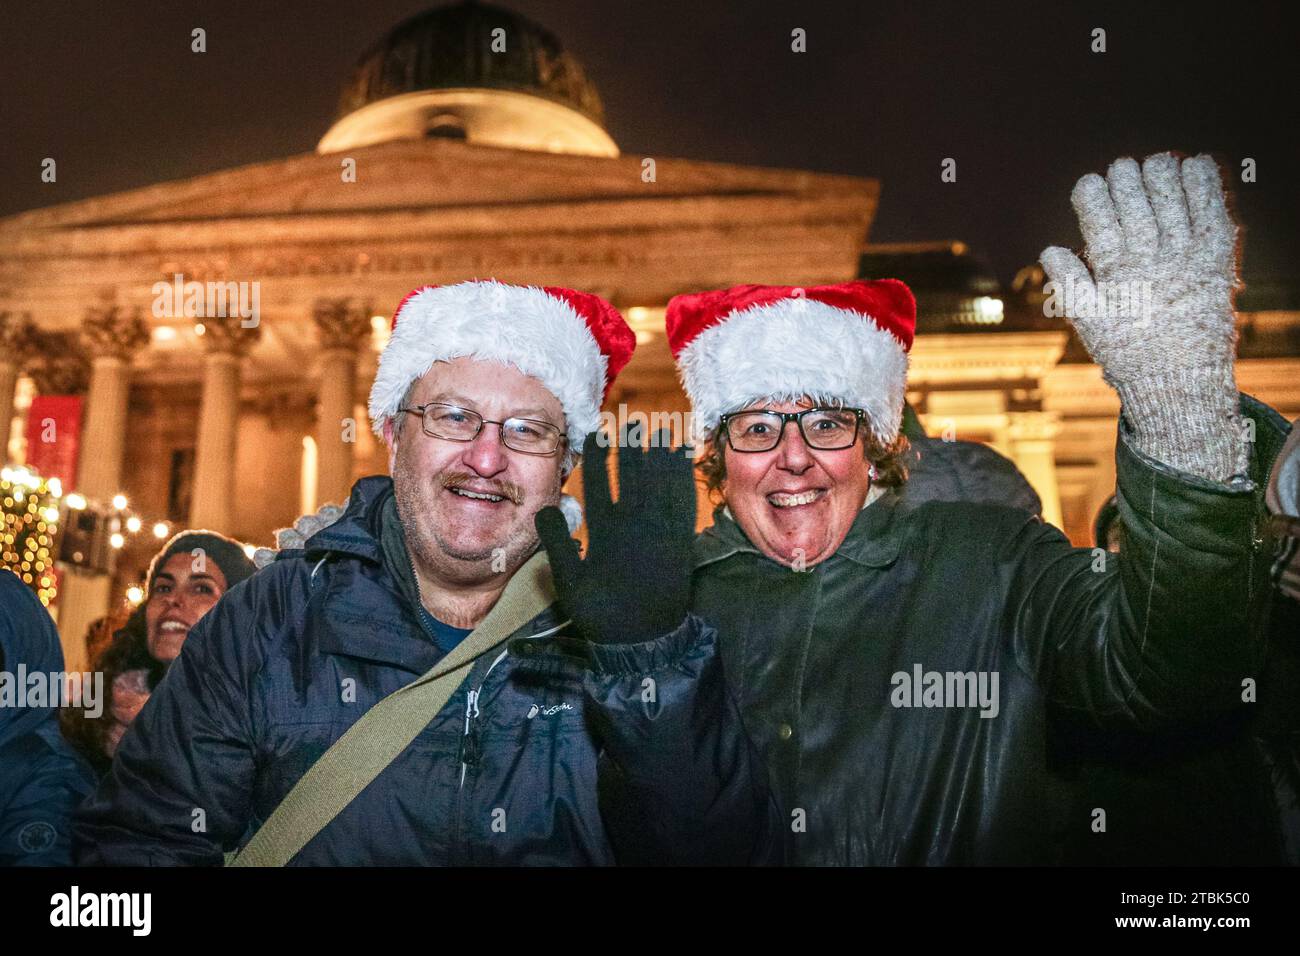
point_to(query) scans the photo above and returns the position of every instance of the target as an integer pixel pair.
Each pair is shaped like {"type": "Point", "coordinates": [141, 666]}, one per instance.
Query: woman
{"type": "Point", "coordinates": [897, 678]}
{"type": "Point", "coordinates": [186, 579]}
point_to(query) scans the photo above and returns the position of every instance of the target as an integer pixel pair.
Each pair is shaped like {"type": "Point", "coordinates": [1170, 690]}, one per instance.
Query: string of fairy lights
{"type": "Point", "coordinates": [31, 520]}
{"type": "Point", "coordinates": [35, 508]}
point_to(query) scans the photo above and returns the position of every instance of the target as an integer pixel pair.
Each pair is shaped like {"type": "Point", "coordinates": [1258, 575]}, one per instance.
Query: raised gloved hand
{"type": "Point", "coordinates": [1155, 312]}
{"type": "Point", "coordinates": [634, 585]}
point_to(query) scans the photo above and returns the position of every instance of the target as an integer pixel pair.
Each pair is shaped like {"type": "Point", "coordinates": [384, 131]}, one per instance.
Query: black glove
{"type": "Point", "coordinates": [635, 583]}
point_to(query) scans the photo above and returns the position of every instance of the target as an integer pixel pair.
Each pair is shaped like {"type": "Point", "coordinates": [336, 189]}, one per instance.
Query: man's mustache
{"type": "Point", "coordinates": [463, 479]}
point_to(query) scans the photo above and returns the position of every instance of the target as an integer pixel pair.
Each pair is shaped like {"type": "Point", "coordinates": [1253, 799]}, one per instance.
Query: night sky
{"type": "Point", "coordinates": [1011, 90]}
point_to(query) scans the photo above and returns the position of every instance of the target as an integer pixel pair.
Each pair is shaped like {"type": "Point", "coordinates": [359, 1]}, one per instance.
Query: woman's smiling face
{"type": "Point", "coordinates": [796, 503]}
{"type": "Point", "coordinates": [184, 589]}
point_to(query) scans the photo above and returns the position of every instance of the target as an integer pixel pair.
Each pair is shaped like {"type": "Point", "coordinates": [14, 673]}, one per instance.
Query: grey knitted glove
{"type": "Point", "coordinates": [1156, 310]}
{"type": "Point", "coordinates": [296, 537]}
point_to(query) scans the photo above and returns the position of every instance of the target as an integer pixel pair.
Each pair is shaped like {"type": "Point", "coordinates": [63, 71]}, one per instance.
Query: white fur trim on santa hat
{"type": "Point", "coordinates": [571, 508]}
{"type": "Point", "coordinates": [794, 347]}
{"type": "Point", "coordinates": [523, 326]}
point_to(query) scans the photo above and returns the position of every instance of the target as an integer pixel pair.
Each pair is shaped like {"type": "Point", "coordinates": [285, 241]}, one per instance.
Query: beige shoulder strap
{"type": "Point", "coordinates": [384, 731]}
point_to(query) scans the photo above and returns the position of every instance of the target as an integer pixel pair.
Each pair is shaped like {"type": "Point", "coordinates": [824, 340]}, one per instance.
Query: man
{"type": "Point", "coordinates": [483, 394]}
{"type": "Point", "coordinates": [903, 669]}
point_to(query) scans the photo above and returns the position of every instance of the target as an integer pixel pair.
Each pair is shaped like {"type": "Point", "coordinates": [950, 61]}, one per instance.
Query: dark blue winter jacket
{"type": "Point", "coordinates": [285, 663]}
{"type": "Point", "coordinates": [41, 777]}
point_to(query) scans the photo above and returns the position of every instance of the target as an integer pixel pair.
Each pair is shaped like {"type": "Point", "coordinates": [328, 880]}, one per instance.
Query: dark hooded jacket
{"type": "Point", "coordinates": [866, 684]}
{"type": "Point", "coordinates": [41, 778]}
{"type": "Point", "coordinates": [286, 662]}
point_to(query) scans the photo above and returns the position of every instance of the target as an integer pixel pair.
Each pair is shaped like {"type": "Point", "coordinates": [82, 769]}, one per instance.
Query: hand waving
{"type": "Point", "coordinates": [1153, 306]}
{"type": "Point", "coordinates": [634, 584]}
{"type": "Point", "coordinates": [1160, 241]}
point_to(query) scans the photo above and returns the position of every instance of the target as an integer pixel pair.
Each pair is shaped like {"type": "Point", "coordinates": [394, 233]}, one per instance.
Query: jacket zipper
{"type": "Point", "coordinates": [471, 748]}
{"type": "Point", "coordinates": [458, 846]}
{"type": "Point", "coordinates": [470, 752]}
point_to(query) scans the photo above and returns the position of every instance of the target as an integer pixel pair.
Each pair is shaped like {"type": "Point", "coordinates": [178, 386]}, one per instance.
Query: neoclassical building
{"type": "Point", "coordinates": [469, 143]}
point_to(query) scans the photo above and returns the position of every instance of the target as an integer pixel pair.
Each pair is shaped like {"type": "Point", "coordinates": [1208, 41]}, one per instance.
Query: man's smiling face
{"type": "Point", "coordinates": [462, 504]}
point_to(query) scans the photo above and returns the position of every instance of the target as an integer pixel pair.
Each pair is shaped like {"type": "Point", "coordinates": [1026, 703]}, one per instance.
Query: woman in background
{"type": "Point", "coordinates": [186, 579]}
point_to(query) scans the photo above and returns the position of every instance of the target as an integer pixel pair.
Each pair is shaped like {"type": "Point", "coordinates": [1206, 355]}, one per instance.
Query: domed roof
{"type": "Point", "coordinates": [452, 47]}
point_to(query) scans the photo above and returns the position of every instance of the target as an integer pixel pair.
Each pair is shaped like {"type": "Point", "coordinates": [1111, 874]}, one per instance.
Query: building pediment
{"type": "Point", "coordinates": [444, 175]}
{"type": "Point", "coordinates": [437, 211]}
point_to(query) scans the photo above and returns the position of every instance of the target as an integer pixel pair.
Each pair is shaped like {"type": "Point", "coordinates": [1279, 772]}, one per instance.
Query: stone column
{"type": "Point", "coordinates": [16, 336]}
{"type": "Point", "coordinates": [112, 336]}
{"type": "Point", "coordinates": [344, 329]}
{"type": "Point", "coordinates": [1032, 436]}
{"type": "Point", "coordinates": [225, 343]}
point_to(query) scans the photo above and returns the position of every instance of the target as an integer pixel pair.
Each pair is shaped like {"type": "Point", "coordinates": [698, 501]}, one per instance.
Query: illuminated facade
{"type": "Point", "coordinates": [448, 162]}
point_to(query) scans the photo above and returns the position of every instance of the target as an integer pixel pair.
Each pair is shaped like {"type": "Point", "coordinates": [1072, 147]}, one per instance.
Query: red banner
{"type": "Point", "coordinates": [53, 436]}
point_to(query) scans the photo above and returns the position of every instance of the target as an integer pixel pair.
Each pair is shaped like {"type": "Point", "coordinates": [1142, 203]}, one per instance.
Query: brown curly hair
{"type": "Point", "coordinates": [127, 650]}
{"type": "Point", "coordinates": [890, 461]}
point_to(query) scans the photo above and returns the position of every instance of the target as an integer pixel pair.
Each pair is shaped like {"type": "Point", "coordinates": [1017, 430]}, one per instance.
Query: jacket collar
{"type": "Point", "coordinates": [365, 614]}
{"type": "Point", "coordinates": [873, 539]}
{"type": "Point", "coordinates": [356, 533]}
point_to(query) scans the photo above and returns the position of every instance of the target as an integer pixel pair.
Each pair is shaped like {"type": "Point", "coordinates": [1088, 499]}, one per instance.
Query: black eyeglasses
{"type": "Point", "coordinates": [453, 423]}
{"type": "Point", "coordinates": [826, 429]}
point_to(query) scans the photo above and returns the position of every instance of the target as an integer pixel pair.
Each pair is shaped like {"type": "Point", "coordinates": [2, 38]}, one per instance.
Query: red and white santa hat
{"type": "Point", "coordinates": [574, 343]}
{"type": "Point", "coordinates": [845, 343]}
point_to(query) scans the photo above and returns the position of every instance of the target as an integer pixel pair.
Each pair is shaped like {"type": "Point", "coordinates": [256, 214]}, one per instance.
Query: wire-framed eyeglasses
{"type": "Point", "coordinates": [454, 423]}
